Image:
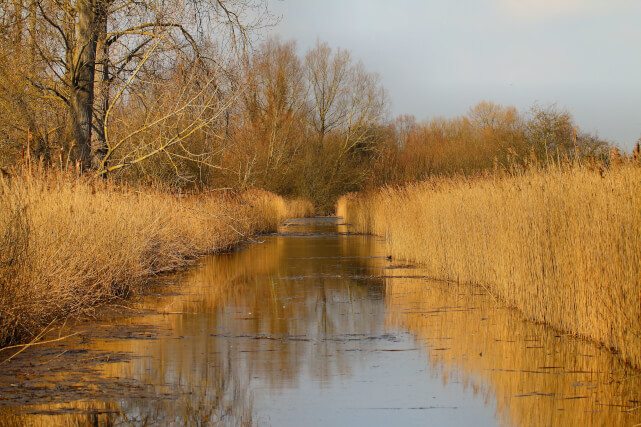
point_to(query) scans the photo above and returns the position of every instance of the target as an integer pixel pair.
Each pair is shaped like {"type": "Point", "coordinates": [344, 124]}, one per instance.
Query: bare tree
{"type": "Point", "coordinates": [92, 50]}
{"type": "Point", "coordinates": [275, 105]}
{"type": "Point", "coordinates": [345, 97]}
{"type": "Point", "coordinates": [328, 76]}
{"type": "Point", "coordinates": [365, 105]}
{"type": "Point", "coordinates": [549, 131]}
{"type": "Point", "coordinates": [488, 115]}
{"type": "Point", "coordinates": [348, 105]}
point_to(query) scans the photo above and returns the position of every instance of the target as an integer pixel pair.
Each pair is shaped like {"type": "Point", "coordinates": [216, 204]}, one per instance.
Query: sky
{"type": "Point", "coordinates": [438, 58]}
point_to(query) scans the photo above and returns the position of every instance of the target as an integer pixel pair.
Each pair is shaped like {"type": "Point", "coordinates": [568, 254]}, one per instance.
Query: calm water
{"type": "Point", "coordinates": [315, 326]}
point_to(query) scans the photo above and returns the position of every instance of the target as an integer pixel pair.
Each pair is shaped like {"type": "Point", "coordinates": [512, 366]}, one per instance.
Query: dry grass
{"type": "Point", "coordinates": [69, 244]}
{"type": "Point", "coordinates": [562, 245]}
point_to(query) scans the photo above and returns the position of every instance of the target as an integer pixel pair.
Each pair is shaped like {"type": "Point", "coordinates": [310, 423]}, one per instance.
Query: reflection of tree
{"type": "Point", "coordinates": [536, 376]}
{"type": "Point", "coordinates": [277, 313]}
{"type": "Point", "coordinates": [270, 316]}
{"type": "Point", "coordinates": [308, 295]}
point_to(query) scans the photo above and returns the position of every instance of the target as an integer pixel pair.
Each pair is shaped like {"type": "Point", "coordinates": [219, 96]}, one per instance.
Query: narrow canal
{"type": "Point", "coordinates": [315, 326]}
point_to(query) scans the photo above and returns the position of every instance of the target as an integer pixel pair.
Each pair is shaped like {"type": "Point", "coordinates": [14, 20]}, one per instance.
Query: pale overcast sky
{"type": "Point", "coordinates": [440, 57]}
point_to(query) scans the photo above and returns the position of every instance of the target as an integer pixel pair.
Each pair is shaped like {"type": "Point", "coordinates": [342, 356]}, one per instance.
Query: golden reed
{"type": "Point", "coordinates": [67, 244]}
{"type": "Point", "coordinates": [563, 245]}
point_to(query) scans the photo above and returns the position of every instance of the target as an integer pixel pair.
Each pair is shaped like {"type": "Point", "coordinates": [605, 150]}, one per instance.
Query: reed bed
{"type": "Point", "coordinates": [68, 244]}
{"type": "Point", "coordinates": [563, 245]}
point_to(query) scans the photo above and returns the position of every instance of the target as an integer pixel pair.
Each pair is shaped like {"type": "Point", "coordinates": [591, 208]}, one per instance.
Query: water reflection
{"type": "Point", "coordinates": [536, 375]}
{"type": "Point", "coordinates": [315, 326]}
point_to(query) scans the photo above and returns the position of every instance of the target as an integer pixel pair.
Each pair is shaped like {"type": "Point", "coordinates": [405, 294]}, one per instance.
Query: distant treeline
{"type": "Point", "coordinates": [119, 90]}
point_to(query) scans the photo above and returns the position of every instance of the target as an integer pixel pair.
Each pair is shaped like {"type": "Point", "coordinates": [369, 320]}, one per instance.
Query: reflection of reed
{"type": "Point", "coordinates": [193, 381]}
{"type": "Point", "coordinates": [149, 412]}
{"type": "Point", "coordinates": [220, 279]}
{"type": "Point", "coordinates": [279, 315]}
{"type": "Point", "coordinates": [186, 362]}
{"type": "Point", "coordinates": [267, 307]}
{"type": "Point", "coordinates": [537, 376]}
{"type": "Point", "coordinates": [257, 318]}
{"type": "Point", "coordinates": [97, 414]}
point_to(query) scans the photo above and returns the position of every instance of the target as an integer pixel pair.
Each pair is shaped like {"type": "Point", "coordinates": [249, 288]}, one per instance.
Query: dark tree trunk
{"type": "Point", "coordinates": [81, 72]}
{"type": "Point", "coordinates": [101, 88]}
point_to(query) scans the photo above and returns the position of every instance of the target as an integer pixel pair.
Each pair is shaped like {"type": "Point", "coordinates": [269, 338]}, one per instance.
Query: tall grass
{"type": "Point", "coordinates": [563, 245]}
{"type": "Point", "coordinates": [67, 244]}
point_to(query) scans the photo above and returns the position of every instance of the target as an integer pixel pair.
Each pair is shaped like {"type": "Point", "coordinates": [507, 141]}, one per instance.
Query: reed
{"type": "Point", "coordinates": [563, 245]}
{"type": "Point", "coordinates": [68, 244]}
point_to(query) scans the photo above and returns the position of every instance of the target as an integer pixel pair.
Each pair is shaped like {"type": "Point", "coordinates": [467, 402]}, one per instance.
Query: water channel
{"type": "Point", "coordinates": [315, 326]}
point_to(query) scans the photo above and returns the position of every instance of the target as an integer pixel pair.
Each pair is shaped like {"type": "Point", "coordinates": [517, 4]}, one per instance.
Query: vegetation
{"type": "Point", "coordinates": [488, 137]}
{"type": "Point", "coordinates": [160, 97]}
{"type": "Point", "coordinates": [560, 243]}
{"type": "Point", "coordinates": [119, 89]}
{"type": "Point", "coordinates": [67, 244]}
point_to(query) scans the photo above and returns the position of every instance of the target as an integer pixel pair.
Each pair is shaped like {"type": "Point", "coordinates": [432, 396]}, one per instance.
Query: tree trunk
{"type": "Point", "coordinates": [101, 88]}
{"type": "Point", "coordinates": [81, 73]}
